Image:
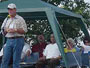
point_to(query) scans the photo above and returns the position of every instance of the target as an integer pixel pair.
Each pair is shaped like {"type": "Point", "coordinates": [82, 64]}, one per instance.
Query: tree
{"type": "Point", "coordinates": [54, 2]}
{"type": "Point", "coordinates": [76, 6]}
{"type": "Point", "coordinates": [69, 26]}
{"type": "Point", "coordinates": [79, 7]}
{"type": "Point", "coordinates": [37, 27]}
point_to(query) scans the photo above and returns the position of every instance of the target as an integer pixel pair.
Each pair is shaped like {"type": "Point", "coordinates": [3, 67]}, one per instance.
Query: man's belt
{"type": "Point", "coordinates": [15, 37]}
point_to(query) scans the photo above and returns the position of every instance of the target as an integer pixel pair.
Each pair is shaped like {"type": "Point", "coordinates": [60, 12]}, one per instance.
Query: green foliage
{"type": "Point", "coordinates": [54, 2]}
{"type": "Point", "coordinates": [71, 28]}
{"type": "Point", "coordinates": [78, 6]}
{"type": "Point", "coordinates": [37, 27]}
{"type": "Point", "coordinates": [1, 36]}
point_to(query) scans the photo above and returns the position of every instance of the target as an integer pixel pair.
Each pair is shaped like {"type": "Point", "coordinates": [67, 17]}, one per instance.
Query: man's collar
{"type": "Point", "coordinates": [16, 16]}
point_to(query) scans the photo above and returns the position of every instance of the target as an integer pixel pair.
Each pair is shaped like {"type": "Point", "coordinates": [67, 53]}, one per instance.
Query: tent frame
{"type": "Point", "coordinates": [52, 18]}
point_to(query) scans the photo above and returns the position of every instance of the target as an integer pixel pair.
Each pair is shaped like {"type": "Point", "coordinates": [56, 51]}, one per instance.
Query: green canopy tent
{"type": "Point", "coordinates": [37, 9]}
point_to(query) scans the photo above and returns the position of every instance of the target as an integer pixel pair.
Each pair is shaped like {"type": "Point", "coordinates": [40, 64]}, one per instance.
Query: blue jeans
{"type": "Point", "coordinates": [13, 48]}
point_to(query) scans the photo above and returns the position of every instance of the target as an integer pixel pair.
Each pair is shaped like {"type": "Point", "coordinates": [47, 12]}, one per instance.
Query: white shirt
{"type": "Point", "coordinates": [1, 52]}
{"type": "Point", "coordinates": [15, 23]}
{"type": "Point", "coordinates": [25, 49]}
{"type": "Point", "coordinates": [86, 48]}
{"type": "Point", "coordinates": [51, 51]}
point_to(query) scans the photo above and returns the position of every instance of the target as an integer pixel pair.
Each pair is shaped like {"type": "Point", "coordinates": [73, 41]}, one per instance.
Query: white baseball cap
{"type": "Point", "coordinates": [11, 6]}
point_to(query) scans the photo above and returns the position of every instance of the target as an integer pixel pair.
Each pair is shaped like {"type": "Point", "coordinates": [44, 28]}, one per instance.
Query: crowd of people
{"type": "Point", "coordinates": [49, 54]}
{"type": "Point", "coordinates": [15, 48]}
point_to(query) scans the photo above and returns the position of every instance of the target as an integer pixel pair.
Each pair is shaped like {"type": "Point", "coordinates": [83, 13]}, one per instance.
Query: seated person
{"type": "Point", "coordinates": [51, 55]}
{"type": "Point", "coordinates": [86, 47]}
{"type": "Point", "coordinates": [71, 47]}
{"type": "Point", "coordinates": [39, 47]}
{"type": "Point", "coordinates": [25, 52]}
{"type": "Point", "coordinates": [1, 54]}
{"type": "Point", "coordinates": [86, 52]}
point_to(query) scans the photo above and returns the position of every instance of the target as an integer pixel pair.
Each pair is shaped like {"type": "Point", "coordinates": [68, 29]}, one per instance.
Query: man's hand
{"type": "Point", "coordinates": [28, 53]}
{"type": "Point", "coordinates": [10, 30]}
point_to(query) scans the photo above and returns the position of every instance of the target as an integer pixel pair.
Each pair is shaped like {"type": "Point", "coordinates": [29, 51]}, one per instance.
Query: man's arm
{"type": "Point", "coordinates": [20, 31]}
{"type": "Point", "coordinates": [59, 57]}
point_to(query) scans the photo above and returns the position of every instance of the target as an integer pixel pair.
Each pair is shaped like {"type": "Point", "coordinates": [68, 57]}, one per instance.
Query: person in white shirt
{"type": "Point", "coordinates": [25, 52]}
{"type": "Point", "coordinates": [86, 47]}
{"type": "Point", "coordinates": [51, 54]}
{"type": "Point", "coordinates": [85, 53]}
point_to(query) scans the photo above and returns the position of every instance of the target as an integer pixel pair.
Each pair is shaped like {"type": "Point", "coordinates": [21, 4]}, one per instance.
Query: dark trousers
{"type": "Point", "coordinates": [50, 63]}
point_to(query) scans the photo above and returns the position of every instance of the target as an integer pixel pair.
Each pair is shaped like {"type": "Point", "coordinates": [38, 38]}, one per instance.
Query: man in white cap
{"type": "Point", "coordinates": [14, 28]}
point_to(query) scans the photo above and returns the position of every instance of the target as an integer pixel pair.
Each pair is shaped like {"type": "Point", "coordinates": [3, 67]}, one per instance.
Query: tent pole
{"type": "Point", "coordinates": [56, 32]}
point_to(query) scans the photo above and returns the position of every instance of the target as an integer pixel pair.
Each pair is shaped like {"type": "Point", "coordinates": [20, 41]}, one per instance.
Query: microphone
{"type": "Point", "coordinates": [2, 28]}
{"type": "Point", "coordinates": [9, 16]}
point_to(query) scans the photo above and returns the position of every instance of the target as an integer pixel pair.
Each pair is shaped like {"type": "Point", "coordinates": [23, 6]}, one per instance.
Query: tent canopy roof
{"type": "Point", "coordinates": [28, 6]}
{"type": "Point", "coordinates": [40, 9]}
